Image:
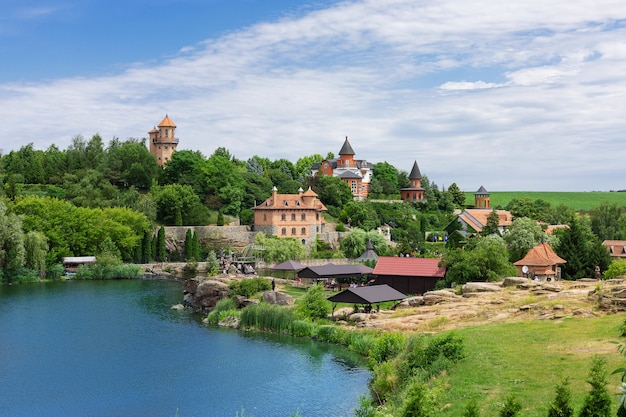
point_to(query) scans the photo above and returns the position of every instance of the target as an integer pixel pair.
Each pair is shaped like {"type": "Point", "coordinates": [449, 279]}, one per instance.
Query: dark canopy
{"type": "Point", "coordinates": [335, 271]}
{"type": "Point", "coordinates": [367, 295]}
{"type": "Point", "coordinates": [288, 266]}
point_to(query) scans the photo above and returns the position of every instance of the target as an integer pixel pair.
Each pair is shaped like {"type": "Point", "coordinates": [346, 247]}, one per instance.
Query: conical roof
{"type": "Point", "coordinates": [482, 190]}
{"type": "Point", "coordinates": [415, 172]}
{"type": "Point", "coordinates": [167, 122]}
{"type": "Point", "coordinates": [541, 255]}
{"type": "Point", "coordinates": [346, 149]}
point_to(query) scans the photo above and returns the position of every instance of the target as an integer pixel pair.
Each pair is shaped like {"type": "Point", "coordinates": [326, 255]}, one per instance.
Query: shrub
{"type": "Point", "coordinates": [223, 305]}
{"type": "Point", "coordinates": [301, 328]}
{"type": "Point", "coordinates": [419, 401]}
{"type": "Point", "coordinates": [560, 405]}
{"type": "Point", "coordinates": [387, 346]}
{"type": "Point", "coordinates": [511, 407]}
{"type": "Point", "coordinates": [471, 409]}
{"type": "Point", "coordinates": [314, 305]}
{"type": "Point", "coordinates": [598, 401]}
{"type": "Point", "coordinates": [384, 382]}
{"type": "Point", "coordinates": [331, 334]}
{"type": "Point", "coordinates": [249, 286]}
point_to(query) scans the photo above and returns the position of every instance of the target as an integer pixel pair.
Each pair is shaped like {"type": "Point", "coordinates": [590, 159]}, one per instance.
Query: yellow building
{"type": "Point", "coordinates": [290, 215]}
{"type": "Point", "coordinates": [163, 140]}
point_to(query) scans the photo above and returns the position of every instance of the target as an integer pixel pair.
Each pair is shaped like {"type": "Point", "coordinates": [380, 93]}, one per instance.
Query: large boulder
{"type": "Point", "coordinates": [275, 297]}
{"type": "Point", "coordinates": [208, 293]}
{"type": "Point", "coordinates": [474, 287]}
{"type": "Point", "coordinates": [514, 281]}
{"type": "Point", "coordinates": [440, 296]}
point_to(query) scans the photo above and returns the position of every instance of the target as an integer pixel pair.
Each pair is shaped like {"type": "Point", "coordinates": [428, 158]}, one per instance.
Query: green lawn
{"type": "Point", "coordinates": [527, 360]}
{"type": "Point", "coordinates": [575, 200]}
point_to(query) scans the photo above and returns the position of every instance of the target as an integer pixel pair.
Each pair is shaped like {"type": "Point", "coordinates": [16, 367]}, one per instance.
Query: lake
{"type": "Point", "coordinates": [116, 348]}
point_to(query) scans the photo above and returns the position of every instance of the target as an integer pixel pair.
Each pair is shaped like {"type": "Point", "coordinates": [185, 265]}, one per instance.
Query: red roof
{"type": "Point", "coordinates": [541, 255]}
{"type": "Point", "coordinates": [409, 267]}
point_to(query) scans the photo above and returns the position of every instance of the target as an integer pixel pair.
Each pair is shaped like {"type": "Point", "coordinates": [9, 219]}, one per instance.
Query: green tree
{"type": "Point", "coordinates": [360, 215]}
{"type": "Point", "coordinates": [493, 221]}
{"type": "Point", "coordinates": [387, 176]}
{"type": "Point", "coordinates": [458, 196]}
{"type": "Point", "coordinates": [179, 205]}
{"type": "Point", "coordinates": [304, 164]}
{"type": "Point", "coordinates": [314, 304]}
{"type": "Point", "coordinates": [597, 403]}
{"type": "Point", "coordinates": [523, 234]}
{"type": "Point", "coordinates": [582, 250]}
{"type": "Point", "coordinates": [147, 247]}
{"type": "Point", "coordinates": [332, 191]}
{"type": "Point", "coordinates": [12, 252]}
{"type": "Point", "coordinates": [510, 407]}
{"type": "Point", "coordinates": [35, 252]}
{"type": "Point", "coordinates": [130, 164]}
{"type": "Point", "coordinates": [161, 254]}
{"type": "Point", "coordinates": [188, 251]}
{"type": "Point", "coordinates": [195, 241]}
{"type": "Point", "coordinates": [560, 405]}
{"type": "Point", "coordinates": [278, 250]}
{"type": "Point", "coordinates": [220, 218]}
{"type": "Point", "coordinates": [605, 221]}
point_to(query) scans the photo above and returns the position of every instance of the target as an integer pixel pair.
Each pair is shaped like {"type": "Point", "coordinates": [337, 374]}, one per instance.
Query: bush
{"type": "Point", "coordinates": [560, 405]}
{"type": "Point", "coordinates": [314, 305]}
{"type": "Point", "coordinates": [510, 408]}
{"type": "Point", "coordinates": [247, 287]}
{"type": "Point", "coordinates": [387, 346]}
{"type": "Point", "coordinates": [301, 328]}
{"type": "Point", "coordinates": [331, 334]}
{"type": "Point", "coordinates": [225, 304]}
{"type": "Point", "coordinates": [268, 317]}
{"type": "Point", "coordinates": [598, 401]}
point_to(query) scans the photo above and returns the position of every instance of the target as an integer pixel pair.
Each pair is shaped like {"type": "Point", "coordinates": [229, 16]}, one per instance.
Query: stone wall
{"type": "Point", "coordinates": [236, 237]}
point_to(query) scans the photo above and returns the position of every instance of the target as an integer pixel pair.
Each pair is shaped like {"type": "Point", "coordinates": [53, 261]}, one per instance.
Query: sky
{"type": "Point", "coordinates": [511, 95]}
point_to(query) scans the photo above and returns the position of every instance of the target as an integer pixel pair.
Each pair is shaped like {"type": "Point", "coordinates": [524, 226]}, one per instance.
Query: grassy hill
{"type": "Point", "coordinates": [575, 200]}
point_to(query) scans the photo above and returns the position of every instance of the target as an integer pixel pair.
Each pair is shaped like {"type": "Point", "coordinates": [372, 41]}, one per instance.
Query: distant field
{"type": "Point", "coordinates": [575, 200]}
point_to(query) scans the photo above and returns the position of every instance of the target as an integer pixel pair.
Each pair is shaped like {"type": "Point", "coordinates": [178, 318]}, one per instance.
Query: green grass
{"type": "Point", "coordinates": [527, 360]}
{"type": "Point", "coordinates": [574, 200]}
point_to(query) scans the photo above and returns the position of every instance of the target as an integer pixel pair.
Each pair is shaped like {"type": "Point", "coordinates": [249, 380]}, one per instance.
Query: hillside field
{"type": "Point", "coordinates": [579, 201]}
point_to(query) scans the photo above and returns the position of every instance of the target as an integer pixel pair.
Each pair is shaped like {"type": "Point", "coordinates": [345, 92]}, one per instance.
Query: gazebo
{"type": "Point", "coordinates": [367, 295]}
{"type": "Point", "coordinates": [288, 268]}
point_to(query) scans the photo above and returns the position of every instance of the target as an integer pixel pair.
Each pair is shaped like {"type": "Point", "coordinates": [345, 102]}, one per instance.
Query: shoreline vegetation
{"type": "Point", "coordinates": [474, 369]}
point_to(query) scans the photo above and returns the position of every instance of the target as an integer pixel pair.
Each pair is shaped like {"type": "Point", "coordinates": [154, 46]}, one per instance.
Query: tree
{"type": "Point", "coordinates": [387, 176]}
{"type": "Point", "coordinates": [130, 164]}
{"type": "Point", "coordinates": [332, 191]}
{"type": "Point", "coordinates": [314, 304]}
{"type": "Point", "coordinates": [220, 218]}
{"type": "Point", "coordinates": [179, 205]}
{"type": "Point", "coordinates": [184, 168]}
{"type": "Point", "coordinates": [510, 407]}
{"type": "Point", "coordinates": [35, 252]}
{"type": "Point", "coordinates": [161, 253]}
{"type": "Point", "coordinates": [458, 196]}
{"type": "Point", "coordinates": [582, 250]}
{"type": "Point", "coordinates": [304, 164]}
{"type": "Point", "coordinates": [359, 214]}
{"type": "Point", "coordinates": [147, 254]}
{"type": "Point", "coordinates": [280, 249]}
{"type": "Point", "coordinates": [524, 234]}
{"type": "Point", "coordinates": [12, 252]}
{"type": "Point", "coordinates": [560, 405]}
{"type": "Point", "coordinates": [597, 403]}
{"type": "Point", "coordinates": [188, 251]}
{"type": "Point", "coordinates": [493, 221]}
{"type": "Point", "coordinates": [605, 221]}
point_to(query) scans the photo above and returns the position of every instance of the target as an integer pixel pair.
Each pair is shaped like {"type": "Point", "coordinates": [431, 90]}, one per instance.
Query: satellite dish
{"type": "Point", "coordinates": [525, 269]}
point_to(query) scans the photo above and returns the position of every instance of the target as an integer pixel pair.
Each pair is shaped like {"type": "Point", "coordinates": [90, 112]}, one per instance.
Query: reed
{"type": "Point", "coordinates": [267, 317]}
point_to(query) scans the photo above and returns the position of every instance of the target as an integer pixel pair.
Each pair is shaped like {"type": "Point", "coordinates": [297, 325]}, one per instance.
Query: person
{"type": "Point", "coordinates": [273, 284]}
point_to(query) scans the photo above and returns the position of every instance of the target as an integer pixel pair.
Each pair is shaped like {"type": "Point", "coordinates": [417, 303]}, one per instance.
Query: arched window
{"type": "Point", "coordinates": [303, 231]}
{"type": "Point", "coordinates": [293, 216]}
{"type": "Point", "coordinates": [293, 230]}
{"type": "Point", "coordinates": [283, 216]}
{"type": "Point", "coordinates": [303, 216]}
{"type": "Point", "coordinates": [264, 216]}
{"type": "Point", "coordinates": [284, 231]}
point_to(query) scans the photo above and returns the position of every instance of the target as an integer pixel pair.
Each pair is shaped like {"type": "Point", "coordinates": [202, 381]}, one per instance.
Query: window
{"type": "Point", "coordinates": [353, 186]}
{"type": "Point", "coordinates": [303, 217]}
{"type": "Point", "coordinates": [166, 148]}
{"type": "Point", "coordinates": [326, 165]}
{"type": "Point", "coordinates": [297, 202]}
{"type": "Point", "coordinates": [167, 133]}
{"type": "Point", "coordinates": [293, 216]}
{"type": "Point", "coordinates": [414, 196]}
{"type": "Point", "coordinates": [283, 217]}
{"type": "Point", "coordinates": [303, 231]}
{"type": "Point", "coordinates": [283, 231]}
{"type": "Point", "coordinates": [317, 216]}
{"type": "Point", "coordinates": [286, 203]}
{"type": "Point", "coordinates": [293, 230]}
{"type": "Point", "coordinates": [264, 216]}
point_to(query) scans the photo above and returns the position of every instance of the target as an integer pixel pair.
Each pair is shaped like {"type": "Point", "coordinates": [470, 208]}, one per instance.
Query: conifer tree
{"type": "Point", "coordinates": [220, 218]}
{"type": "Point", "coordinates": [188, 251]}
{"type": "Point", "coordinates": [147, 247]}
{"type": "Point", "coordinates": [161, 248]}
{"type": "Point", "coordinates": [598, 401]}
{"type": "Point", "coordinates": [195, 245]}
{"type": "Point", "coordinates": [560, 405]}
{"type": "Point", "coordinates": [511, 407]}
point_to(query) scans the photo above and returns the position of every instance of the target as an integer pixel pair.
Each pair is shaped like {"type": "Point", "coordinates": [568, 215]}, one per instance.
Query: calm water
{"type": "Point", "coordinates": [115, 348]}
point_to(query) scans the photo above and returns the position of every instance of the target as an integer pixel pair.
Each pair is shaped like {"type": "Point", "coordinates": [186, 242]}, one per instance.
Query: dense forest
{"type": "Point", "coordinates": [112, 200]}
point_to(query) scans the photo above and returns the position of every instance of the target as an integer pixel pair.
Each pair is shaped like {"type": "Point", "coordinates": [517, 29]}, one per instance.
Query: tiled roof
{"type": "Point", "coordinates": [294, 201]}
{"type": "Point", "coordinates": [167, 122]}
{"type": "Point", "coordinates": [477, 218]}
{"type": "Point", "coordinates": [409, 267]}
{"type": "Point", "coordinates": [368, 295]}
{"type": "Point", "coordinates": [541, 255]}
{"type": "Point", "coordinates": [617, 248]}
{"type": "Point", "coordinates": [350, 174]}
{"type": "Point", "coordinates": [552, 227]}
{"type": "Point", "coordinates": [482, 190]}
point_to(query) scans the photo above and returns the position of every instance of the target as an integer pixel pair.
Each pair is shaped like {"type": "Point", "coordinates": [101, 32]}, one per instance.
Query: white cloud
{"type": "Point", "coordinates": [540, 111]}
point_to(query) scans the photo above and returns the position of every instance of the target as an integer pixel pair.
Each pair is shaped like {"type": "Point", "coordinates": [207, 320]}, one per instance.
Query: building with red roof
{"type": "Point", "coordinates": [540, 262]}
{"type": "Point", "coordinates": [409, 275]}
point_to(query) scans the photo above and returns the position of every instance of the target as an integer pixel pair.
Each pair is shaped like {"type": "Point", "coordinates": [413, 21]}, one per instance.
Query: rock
{"type": "Point", "coordinates": [208, 293]}
{"type": "Point", "coordinates": [178, 307]}
{"type": "Point", "coordinates": [439, 296]}
{"type": "Point", "coordinates": [358, 317]}
{"type": "Point", "coordinates": [231, 322]}
{"type": "Point", "coordinates": [514, 281]}
{"type": "Point", "coordinates": [550, 287]}
{"type": "Point", "coordinates": [528, 307]}
{"type": "Point", "coordinates": [342, 313]}
{"type": "Point", "coordinates": [415, 301]}
{"type": "Point", "coordinates": [275, 297]}
{"type": "Point", "coordinates": [472, 287]}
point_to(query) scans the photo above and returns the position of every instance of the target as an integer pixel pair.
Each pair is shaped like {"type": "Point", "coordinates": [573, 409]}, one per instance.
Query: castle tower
{"type": "Point", "coordinates": [346, 156]}
{"type": "Point", "coordinates": [414, 192]}
{"type": "Point", "coordinates": [163, 140]}
{"type": "Point", "coordinates": [481, 198]}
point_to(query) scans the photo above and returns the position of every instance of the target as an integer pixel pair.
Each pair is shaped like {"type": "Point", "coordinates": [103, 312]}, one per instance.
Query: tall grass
{"type": "Point", "coordinates": [268, 317]}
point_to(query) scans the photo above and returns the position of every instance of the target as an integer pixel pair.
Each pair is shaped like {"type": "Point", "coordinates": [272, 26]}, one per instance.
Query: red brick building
{"type": "Point", "coordinates": [163, 141]}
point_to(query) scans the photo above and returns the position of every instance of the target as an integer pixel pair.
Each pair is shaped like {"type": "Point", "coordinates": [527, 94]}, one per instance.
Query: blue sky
{"type": "Point", "coordinates": [510, 95]}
